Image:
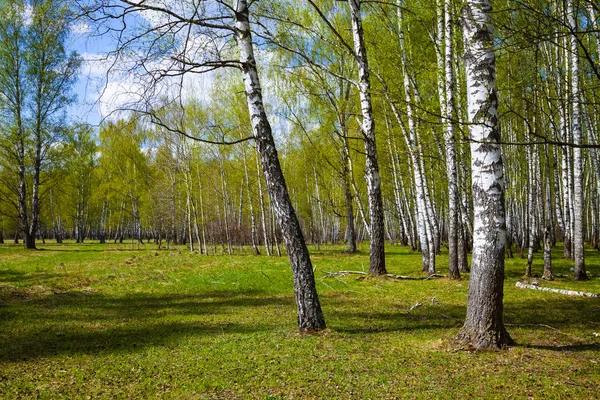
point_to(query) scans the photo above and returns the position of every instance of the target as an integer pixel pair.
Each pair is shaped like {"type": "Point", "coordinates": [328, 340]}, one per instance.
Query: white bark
{"type": "Point", "coordinates": [578, 204]}
{"type": "Point", "coordinates": [448, 114]}
{"type": "Point", "coordinates": [263, 212]}
{"type": "Point", "coordinates": [484, 328]}
{"type": "Point", "coordinates": [376, 223]}
{"type": "Point", "coordinates": [424, 220]}
{"type": "Point", "coordinates": [310, 315]}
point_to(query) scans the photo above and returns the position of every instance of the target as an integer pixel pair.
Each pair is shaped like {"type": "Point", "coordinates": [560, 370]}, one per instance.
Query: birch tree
{"type": "Point", "coordinates": [484, 326]}
{"type": "Point", "coordinates": [578, 205]}
{"type": "Point", "coordinates": [446, 71]}
{"type": "Point", "coordinates": [36, 77]}
{"type": "Point", "coordinates": [376, 223]}
{"type": "Point", "coordinates": [196, 38]}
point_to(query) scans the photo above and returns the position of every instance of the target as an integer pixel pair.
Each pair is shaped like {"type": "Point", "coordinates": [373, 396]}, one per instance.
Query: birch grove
{"type": "Point", "coordinates": [435, 125]}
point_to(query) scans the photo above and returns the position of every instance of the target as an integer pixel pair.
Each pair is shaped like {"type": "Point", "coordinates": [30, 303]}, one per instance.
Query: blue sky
{"type": "Point", "coordinates": [89, 84]}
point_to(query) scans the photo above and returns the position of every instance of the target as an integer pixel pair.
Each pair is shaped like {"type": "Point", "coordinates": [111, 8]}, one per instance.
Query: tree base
{"type": "Point", "coordinates": [487, 340]}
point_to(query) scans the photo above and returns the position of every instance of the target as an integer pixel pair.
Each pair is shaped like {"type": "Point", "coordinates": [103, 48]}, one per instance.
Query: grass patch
{"type": "Point", "coordinates": [106, 321]}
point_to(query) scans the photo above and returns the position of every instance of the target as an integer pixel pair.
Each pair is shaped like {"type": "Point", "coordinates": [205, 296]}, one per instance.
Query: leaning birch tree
{"type": "Point", "coordinates": [192, 38]}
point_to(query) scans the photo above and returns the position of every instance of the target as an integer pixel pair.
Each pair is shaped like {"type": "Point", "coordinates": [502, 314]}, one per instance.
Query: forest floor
{"type": "Point", "coordinates": [106, 321]}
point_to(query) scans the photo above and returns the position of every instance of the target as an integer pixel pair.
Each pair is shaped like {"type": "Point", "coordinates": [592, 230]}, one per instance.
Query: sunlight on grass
{"type": "Point", "coordinates": [106, 321]}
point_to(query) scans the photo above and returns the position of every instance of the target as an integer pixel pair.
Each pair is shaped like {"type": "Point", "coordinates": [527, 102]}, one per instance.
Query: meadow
{"type": "Point", "coordinates": [108, 321]}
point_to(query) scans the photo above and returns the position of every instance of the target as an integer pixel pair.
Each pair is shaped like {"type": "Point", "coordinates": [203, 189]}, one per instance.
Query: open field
{"type": "Point", "coordinates": [105, 321]}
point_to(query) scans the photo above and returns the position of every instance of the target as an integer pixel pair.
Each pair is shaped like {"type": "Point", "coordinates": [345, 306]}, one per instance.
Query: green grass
{"type": "Point", "coordinates": [105, 321]}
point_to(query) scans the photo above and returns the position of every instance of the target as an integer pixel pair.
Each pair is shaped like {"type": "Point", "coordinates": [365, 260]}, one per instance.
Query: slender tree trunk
{"type": "Point", "coordinates": [484, 327]}
{"type": "Point", "coordinates": [253, 233]}
{"type": "Point", "coordinates": [55, 221]}
{"type": "Point", "coordinates": [310, 316]}
{"type": "Point", "coordinates": [450, 144]}
{"type": "Point", "coordinates": [29, 242]}
{"type": "Point", "coordinates": [548, 222]}
{"type": "Point", "coordinates": [532, 163]}
{"type": "Point", "coordinates": [566, 166]}
{"type": "Point", "coordinates": [102, 227]}
{"type": "Point", "coordinates": [263, 212]}
{"type": "Point", "coordinates": [423, 219]}
{"type": "Point", "coordinates": [202, 214]}
{"type": "Point", "coordinates": [376, 223]}
{"type": "Point", "coordinates": [359, 204]}
{"type": "Point", "coordinates": [226, 205]}
{"type": "Point", "coordinates": [397, 196]}
{"type": "Point", "coordinates": [350, 231]}
{"type": "Point", "coordinates": [578, 204]}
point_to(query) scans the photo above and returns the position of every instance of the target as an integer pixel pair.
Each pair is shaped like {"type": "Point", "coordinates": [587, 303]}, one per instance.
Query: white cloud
{"type": "Point", "coordinates": [96, 65]}
{"type": "Point", "coordinates": [81, 28]}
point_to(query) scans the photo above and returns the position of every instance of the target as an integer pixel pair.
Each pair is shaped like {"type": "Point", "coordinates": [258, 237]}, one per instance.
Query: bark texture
{"type": "Point", "coordinates": [578, 204]}
{"type": "Point", "coordinates": [484, 327]}
{"type": "Point", "coordinates": [310, 316]}
{"type": "Point", "coordinates": [424, 217]}
{"type": "Point", "coordinates": [376, 225]}
{"type": "Point", "coordinates": [450, 144]}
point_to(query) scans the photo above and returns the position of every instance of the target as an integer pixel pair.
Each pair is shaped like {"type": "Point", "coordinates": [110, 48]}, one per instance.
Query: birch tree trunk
{"type": "Point", "coordinates": [350, 231]}
{"type": "Point", "coordinates": [532, 163]}
{"type": "Point", "coordinates": [250, 204]}
{"type": "Point", "coordinates": [578, 204]}
{"type": "Point", "coordinates": [310, 316]}
{"type": "Point", "coordinates": [548, 222]}
{"type": "Point", "coordinates": [450, 144]}
{"type": "Point", "coordinates": [376, 225]}
{"type": "Point", "coordinates": [423, 219]}
{"type": "Point", "coordinates": [263, 212]}
{"type": "Point", "coordinates": [361, 209]}
{"type": "Point", "coordinates": [484, 328]}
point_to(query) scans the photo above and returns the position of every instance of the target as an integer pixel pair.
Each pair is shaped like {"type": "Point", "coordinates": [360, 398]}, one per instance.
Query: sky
{"type": "Point", "coordinates": [89, 85]}
{"type": "Point", "coordinates": [96, 96]}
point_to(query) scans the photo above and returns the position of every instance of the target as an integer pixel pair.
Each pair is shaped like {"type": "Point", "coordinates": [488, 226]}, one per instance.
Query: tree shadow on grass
{"type": "Point", "coordinates": [349, 321]}
{"type": "Point", "coordinates": [80, 322]}
{"type": "Point", "coordinates": [538, 318]}
{"type": "Point", "coordinates": [78, 250]}
{"type": "Point", "coordinates": [566, 348]}
{"type": "Point", "coordinates": [14, 276]}
{"type": "Point", "coordinates": [93, 323]}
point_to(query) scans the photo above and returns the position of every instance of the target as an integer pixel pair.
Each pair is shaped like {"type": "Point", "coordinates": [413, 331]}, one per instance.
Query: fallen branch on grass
{"type": "Point", "coordinates": [561, 291]}
{"type": "Point", "coordinates": [393, 276]}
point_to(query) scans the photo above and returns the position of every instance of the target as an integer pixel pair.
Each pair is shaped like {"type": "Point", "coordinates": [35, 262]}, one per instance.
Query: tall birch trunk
{"type": "Point", "coordinates": [450, 142]}
{"type": "Point", "coordinates": [578, 204]}
{"type": "Point", "coordinates": [484, 327]}
{"type": "Point", "coordinates": [263, 213]}
{"type": "Point", "coordinates": [250, 204]}
{"type": "Point", "coordinates": [310, 316]}
{"type": "Point", "coordinates": [548, 222]}
{"type": "Point", "coordinates": [423, 219]}
{"type": "Point", "coordinates": [361, 209]}
{"type": "Point", "coordinates": [376, 223]}
{"type": "Point", "coordinates": [532, 163]}
{"type": "Point", "coordinates": [350, 230]}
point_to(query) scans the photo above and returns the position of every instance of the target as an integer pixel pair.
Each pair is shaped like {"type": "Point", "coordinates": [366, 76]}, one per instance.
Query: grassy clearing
{"type": "Point", "coordinates": [105, 321]}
